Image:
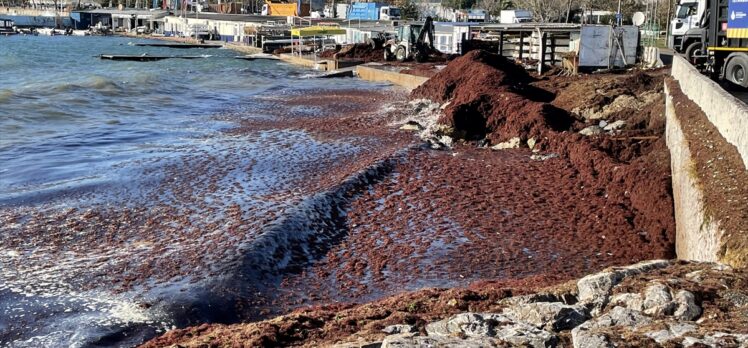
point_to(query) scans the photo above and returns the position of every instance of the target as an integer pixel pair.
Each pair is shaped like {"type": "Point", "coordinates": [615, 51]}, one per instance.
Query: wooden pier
{"type": "Point", "coordinates": [179, 45]}
{"type": "Point", "coordinates": [144, 58]}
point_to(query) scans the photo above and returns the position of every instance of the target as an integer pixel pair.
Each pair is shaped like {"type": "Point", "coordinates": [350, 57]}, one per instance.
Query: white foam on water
{"type": "Point", "coordinates": [78, 315]}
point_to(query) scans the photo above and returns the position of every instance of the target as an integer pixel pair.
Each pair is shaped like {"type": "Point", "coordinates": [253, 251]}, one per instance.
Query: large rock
{"type": "Point", "coordinates": [658, 301]}
{"type": "Point", "coordinates": [481, 325]}
{"type": "Point", "coordinates": [404, 341]}
{"type": "Point", "coordinates": [469, 324]}
{"type": "Point", "coordinates": [717, 339]}
{"type": "Point", "coordinates": [628, 300]}
{"type": "Point", "coordinates": [686, 309]}
{"type": "Point", "coordinates": [588, 339]}
{"type": "Point", "coordinates": [595, 288]}
{"type": "Point", "coordinates": [554, 316]}
{"type": "Point", "coordinates": [590, 334]}
{"type": "Point", "coordinates": [674, 330]}
{"type": "Point", "coordinates": [618, 316]}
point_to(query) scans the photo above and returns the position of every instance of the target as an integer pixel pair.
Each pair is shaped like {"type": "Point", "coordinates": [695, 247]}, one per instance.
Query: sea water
{"type": "Point", "coordinates": [123, 201]}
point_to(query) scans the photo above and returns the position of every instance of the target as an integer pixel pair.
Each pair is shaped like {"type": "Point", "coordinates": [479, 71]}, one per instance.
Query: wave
{"type": "Point", "coordinates": [78, 319]}
{"type": "Point", "coordinates": [301, 236]}
{"type": "Point", "coordinates": [98, 84]}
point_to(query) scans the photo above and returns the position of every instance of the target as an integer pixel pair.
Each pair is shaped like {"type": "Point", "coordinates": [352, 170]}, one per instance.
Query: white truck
{"type": "Point", "coordinates": [515, 16]}
{"type": "Point", "coordinates": [472, 15]}
{"type": "Point", "coordinates": [687, 16]}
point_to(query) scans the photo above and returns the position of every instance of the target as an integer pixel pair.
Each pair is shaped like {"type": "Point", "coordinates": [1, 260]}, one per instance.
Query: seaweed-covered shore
{"type": "Point", "coordinates": [516, 183]}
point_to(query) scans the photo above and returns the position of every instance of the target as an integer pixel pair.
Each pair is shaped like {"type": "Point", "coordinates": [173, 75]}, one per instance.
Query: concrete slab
{"type": "Point", "coordinates": [375, 72]}
{"type": "Point", "coordinates": [345, 72]}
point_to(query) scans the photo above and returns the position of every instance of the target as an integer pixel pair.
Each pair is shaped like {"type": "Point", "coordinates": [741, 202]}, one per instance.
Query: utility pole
{"type": "Point", "coordinates": [657, 20]}
{"type": "Point", "coordinates": [669, 8]}
{"type": "Point", "coordinates": [619, 15]}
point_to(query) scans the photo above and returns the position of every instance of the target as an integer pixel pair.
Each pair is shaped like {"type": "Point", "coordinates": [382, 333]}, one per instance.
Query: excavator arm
{"type": "Point", "coordinates": [427, 33]}
{"type": "Point", "coordinates": [424, 45]}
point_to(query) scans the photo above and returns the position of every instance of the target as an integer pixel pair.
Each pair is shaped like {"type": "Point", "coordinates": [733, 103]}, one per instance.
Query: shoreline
{"type": "Point", "coordinates": [402, 76]}
{"type": "Point", "coordinates": [437, 220]}
{"type": "Point", "coordinates": [484, 180]}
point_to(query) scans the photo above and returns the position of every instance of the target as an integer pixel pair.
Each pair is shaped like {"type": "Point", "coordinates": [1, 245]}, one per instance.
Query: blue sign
{"type": "Point", "coordinates": [737, 17]}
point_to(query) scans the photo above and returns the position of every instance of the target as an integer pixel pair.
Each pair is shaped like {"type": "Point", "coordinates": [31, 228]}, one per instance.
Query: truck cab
{"type": "Point", "coordinates": [688, 13]}
{"type": "Point", "coordinates": [515, 16]}
{"type": "Point", "coordinates": [388, 13]}
{"type": "Point", "coordinates": [724, 53]}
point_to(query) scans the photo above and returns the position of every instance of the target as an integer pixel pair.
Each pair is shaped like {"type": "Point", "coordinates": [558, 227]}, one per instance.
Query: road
{"type": "Point", "coordinates": [741, 94]}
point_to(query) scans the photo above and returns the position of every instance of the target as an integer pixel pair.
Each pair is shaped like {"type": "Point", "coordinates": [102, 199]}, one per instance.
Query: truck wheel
{"type": "Point", "coordinates": [372, 43]}
{"type": "Point", "coordinates": [421, 56]}
{"type": "Point", "coordinates": [387, 54]}
{"type": "Point", "coordinates": [694, 49]}
{"type": "Point", "coordinates": [400, 54]}
{"type": "Point", "coordinates": [737, 71]}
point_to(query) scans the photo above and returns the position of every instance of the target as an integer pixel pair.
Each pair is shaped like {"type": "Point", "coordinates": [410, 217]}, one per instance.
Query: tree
{"type": "Point", "coordinates": [458, 4]}
{"type": "Point", "coordinates": [494, 7]}
{"type": "Point", "coordinates": [408, 9]}
{"type": "Point", "coordinates": [544, 10]}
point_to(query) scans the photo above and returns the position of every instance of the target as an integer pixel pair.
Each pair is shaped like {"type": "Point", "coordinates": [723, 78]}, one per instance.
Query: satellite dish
{"type": "Point", "coordinates": [638, 18]}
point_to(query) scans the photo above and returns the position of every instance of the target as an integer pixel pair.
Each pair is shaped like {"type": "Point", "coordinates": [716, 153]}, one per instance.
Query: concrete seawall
{"type": "Point", "coordinates": [723, 110]}
{"type": "Point", "coordinates": [696, 238]}
{"type": "Point", "coordinates": [705, 125]}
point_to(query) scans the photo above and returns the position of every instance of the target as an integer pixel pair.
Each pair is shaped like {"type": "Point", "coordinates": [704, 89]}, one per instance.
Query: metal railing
{"type": "Point", "coordinates": [301, 21]}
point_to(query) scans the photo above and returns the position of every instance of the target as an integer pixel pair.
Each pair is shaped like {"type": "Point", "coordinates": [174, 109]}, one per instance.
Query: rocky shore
{"type": "Point", "coordinates": [652, 303]}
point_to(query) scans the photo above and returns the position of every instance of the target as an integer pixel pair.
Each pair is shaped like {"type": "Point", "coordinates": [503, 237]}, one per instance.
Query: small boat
{"type": "Point", "coordinates": [101, 30]}
{"type": "Point", "coordinates": [6, 27]}
{"type": "Point", "coordinates": [258, 56]}
{"type": "Point", "coordinates": [81, 33]}
{"type": "Point", "coordinates": [47, 31]}
{"type": "Point", "coordinates": [27, 31]}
